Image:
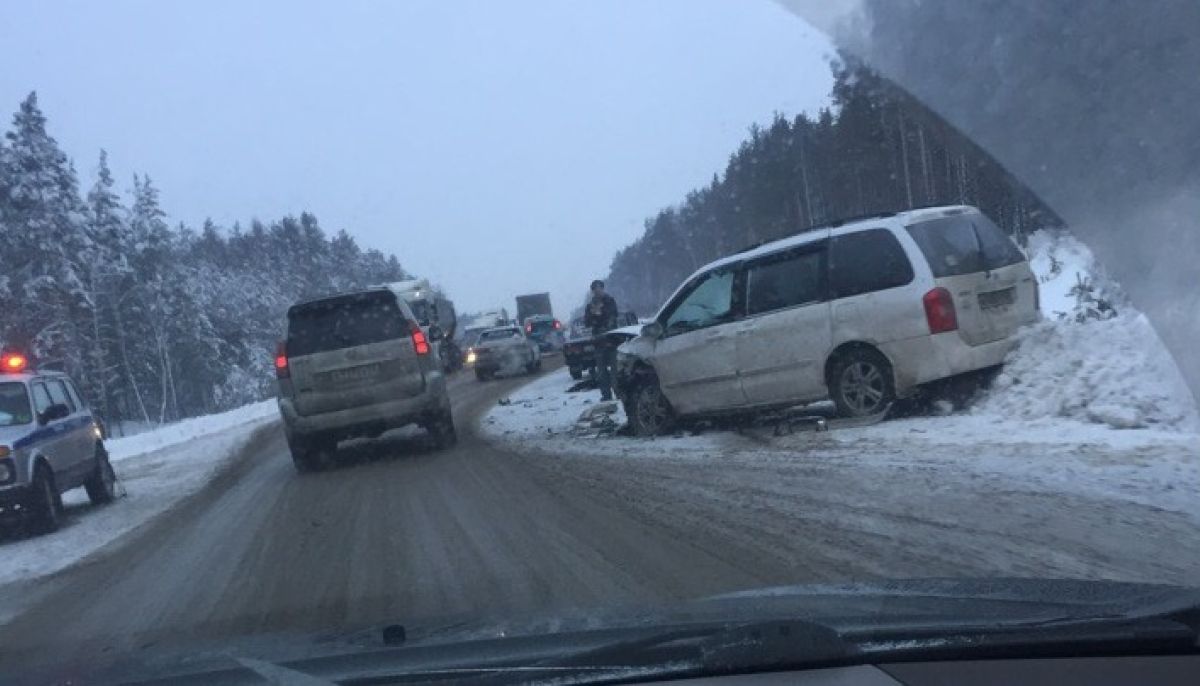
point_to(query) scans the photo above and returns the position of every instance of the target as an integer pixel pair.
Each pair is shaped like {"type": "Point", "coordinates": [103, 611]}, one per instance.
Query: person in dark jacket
{"type": "Point", "coordinates": [601, 316]}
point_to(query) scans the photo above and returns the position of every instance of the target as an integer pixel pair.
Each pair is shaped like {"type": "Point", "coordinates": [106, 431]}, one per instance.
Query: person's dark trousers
{"type": "Point", "coordinates": [606, 360]}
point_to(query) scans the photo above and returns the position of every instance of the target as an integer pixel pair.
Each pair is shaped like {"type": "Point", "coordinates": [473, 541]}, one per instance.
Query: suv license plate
{"type": "Point", "coordinates": [366, 371]}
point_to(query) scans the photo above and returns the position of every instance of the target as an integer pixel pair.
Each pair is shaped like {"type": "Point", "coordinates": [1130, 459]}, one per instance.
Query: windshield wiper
{"type": "Point", "coordinates": [798, 644]}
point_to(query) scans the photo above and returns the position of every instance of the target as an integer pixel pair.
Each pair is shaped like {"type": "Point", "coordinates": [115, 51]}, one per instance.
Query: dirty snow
{"type": "Point", "coordinates": [155, 470]}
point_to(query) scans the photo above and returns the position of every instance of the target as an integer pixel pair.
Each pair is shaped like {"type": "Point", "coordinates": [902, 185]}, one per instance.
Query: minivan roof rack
{"type": "Point", "coordinates": [826, 225]}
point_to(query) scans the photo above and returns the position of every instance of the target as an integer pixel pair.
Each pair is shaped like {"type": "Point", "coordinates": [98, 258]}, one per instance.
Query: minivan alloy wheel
{"type": "Point", "coordinates": [652, 415]}
{"type": "Point", "coordinates": [863, 387]}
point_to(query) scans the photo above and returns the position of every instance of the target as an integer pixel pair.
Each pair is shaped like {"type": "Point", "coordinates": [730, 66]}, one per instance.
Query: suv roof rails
{"type": "Point", "coordinates": [826, 225]}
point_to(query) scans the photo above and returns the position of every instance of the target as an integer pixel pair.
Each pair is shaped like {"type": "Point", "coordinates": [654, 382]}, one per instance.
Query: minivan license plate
{"type": "Point", "coordinates": [1000, 298]}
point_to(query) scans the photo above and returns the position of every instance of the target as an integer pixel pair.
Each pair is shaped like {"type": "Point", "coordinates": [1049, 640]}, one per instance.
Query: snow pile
{"type": "Point", "coordinates": [1114, 371]}
{"type": "Point", "coordinates": [169, 435]}
{"type": "Point", "coordinates": [544, 409]}
{"type": "Point", "coordinates": [1060, 262]}
{"type": "Point", "coordinates": [155, 470]}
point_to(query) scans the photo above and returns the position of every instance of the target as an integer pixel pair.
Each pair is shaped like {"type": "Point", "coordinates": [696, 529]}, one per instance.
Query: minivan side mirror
{"type": "Point", "coordinates": [436, 333]}
{"type": "Point", "coordinates": [653, 331]}
{"type": "Point", "coordinates": [54, 412]}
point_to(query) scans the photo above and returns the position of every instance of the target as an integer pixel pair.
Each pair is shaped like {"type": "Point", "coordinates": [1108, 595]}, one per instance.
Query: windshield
{"type": "Point", "coordinates": [14, 404]}
{"type": "Point", "coordinates": [499, 335]}
{"type": "Point", "coordinates": [484, 319]}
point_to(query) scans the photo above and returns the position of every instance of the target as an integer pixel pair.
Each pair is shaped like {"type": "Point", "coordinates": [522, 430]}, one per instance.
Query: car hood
{"type": "Point", "coordinates": [894, 608]}
{"type": "Point", "coordinates": [11, 434]}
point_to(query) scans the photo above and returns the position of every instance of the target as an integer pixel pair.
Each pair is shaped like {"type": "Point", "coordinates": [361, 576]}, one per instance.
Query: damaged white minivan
{"type": "Point", "coordinates": [861, 313]}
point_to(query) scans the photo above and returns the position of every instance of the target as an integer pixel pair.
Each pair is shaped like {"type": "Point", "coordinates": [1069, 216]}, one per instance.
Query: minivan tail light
{"type": "Point", "coordinates": [939, 311]}
{"type": "Point", "coordinates": [420, 342]}
{"type": "Point", "coordinates": [282, 371]}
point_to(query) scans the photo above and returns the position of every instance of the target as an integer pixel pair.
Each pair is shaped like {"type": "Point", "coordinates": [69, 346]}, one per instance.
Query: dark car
{"type": "Point", "coordinates": [579, 352]}
{"type": "Point", "coordinates": [546, 331]}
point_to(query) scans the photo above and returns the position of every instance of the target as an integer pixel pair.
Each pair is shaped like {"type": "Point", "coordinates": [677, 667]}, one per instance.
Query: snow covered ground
{"type": "Point", "coordinates": [1093, 409]}
{"type": "Point", "coordinates": [155, 470]}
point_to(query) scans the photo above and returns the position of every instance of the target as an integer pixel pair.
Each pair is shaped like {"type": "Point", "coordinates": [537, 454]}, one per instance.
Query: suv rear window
{"type": "Point", "coordinates": [14, 404]}
{"type": "Point", "coordinates": [867, 261]}
{"type": "Point", "coordinates": [344, 322]}
{"type": "Point", "coordinates": [964, 244]}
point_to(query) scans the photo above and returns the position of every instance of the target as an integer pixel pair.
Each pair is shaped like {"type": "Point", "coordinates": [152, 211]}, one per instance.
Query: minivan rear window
{"type": "Point", "coordinates": [964, 244]}
{"type": "Point", "coordinates": [344, 322]}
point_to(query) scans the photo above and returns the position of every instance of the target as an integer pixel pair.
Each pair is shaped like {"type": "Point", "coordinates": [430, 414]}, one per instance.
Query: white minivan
{"type": "Point", "coordinates": [860, 313]}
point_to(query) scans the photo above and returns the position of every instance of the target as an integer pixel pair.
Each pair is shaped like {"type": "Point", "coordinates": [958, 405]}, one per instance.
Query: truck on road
{"type": "Point", "coordinates": [431, 309]}
{"type": "Point", "coordinates": [531, 305]}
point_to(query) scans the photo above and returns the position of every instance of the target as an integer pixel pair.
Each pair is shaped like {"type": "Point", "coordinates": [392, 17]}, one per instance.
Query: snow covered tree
{"type": "Point", "coordinates": [154, 323]}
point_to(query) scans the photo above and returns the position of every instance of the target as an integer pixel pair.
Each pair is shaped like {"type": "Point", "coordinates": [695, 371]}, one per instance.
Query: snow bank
{"type": "Point", "coordinates": [1048, 454]}
{"type": "Point", "coordinates": [1114, 372]}
{"type": "Point", "coordinates": [189, 429]}
{"type": "Point", "coordinates": [155, 470]}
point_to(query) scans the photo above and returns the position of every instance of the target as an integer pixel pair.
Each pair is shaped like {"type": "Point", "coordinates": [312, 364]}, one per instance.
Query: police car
{"type": "Point", "coordinates": [49, 443]}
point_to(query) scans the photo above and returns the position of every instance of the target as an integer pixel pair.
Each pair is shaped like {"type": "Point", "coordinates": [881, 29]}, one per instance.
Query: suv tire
{"type": "Point", "coordinates": [441, 430]}
{"type": "Point", "coordinates": [861, 383]}
{"type": "Point", "coordinates": [101, 486]}
{"type": "Point", "coordinates": [308, 452]}
{"type": "Point", "coordinates": [44, 502]}
{"type": "Point", "coordinates": [576, 373]}
{"type": "Point", "coordinates": [648, 411]}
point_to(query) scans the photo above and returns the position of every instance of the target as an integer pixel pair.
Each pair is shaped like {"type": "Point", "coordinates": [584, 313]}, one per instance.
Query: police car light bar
{"type": "Point", "coordinates": [13, 363]}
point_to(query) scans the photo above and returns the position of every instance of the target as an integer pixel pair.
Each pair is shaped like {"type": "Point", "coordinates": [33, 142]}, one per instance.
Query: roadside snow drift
{"type": "Point", "coordinates": [1114, 371]}
{"type": "Point", "coordinates": [155, 470]}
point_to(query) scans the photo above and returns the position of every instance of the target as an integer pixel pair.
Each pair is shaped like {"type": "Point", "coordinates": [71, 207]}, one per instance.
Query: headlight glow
{"type": "Point", "coordinates": [470, 357]}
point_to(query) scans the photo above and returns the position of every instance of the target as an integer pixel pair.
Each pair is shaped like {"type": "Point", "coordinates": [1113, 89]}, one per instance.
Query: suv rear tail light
{"type": "Point", "coordinates": [939, 311]}
{"type": "Point", "coordinates": [420, 343]}
{"type": "Point", "coordinates": [282, 371]}
{"type": "Point", "coordinates": [529, 328]}
{"type": "Point", "coordinates": [557, 325]}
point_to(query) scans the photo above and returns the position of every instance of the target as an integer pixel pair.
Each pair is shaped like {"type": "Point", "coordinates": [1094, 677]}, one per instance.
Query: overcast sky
{"type": "Point", "coordinates": [494, 147]}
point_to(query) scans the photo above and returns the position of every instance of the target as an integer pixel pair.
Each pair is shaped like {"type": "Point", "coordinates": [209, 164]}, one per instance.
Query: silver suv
{"type": "Point", "coordinates": [861, 313]}
{"type": "Point", "coordinates": [50, 443]}
{"type": "Point", "coordinates": [356, 365]}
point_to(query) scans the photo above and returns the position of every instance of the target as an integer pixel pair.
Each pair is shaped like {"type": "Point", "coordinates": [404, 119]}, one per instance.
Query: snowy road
{"type": "Point", "coordinates": [483, 530]}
